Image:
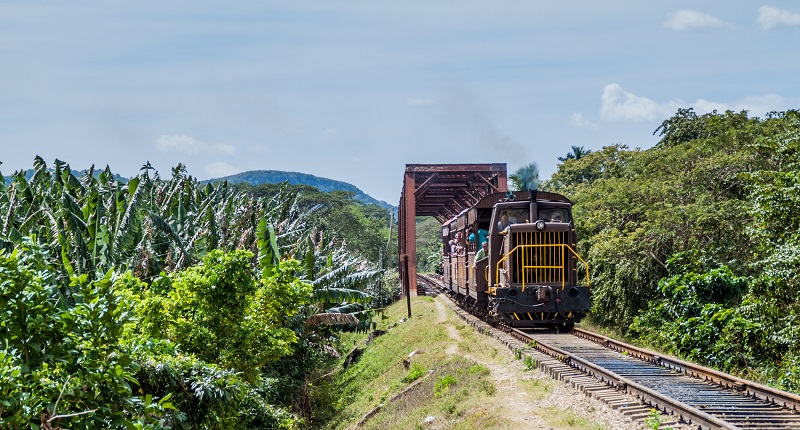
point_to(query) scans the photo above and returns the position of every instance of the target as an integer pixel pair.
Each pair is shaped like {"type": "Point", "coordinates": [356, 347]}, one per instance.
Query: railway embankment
{"type": "Point", "coordinates": [438, 371]}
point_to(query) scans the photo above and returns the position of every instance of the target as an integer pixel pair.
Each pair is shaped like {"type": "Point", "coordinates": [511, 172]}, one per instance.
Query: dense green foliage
{"type": "Point", "coordinates": [366, 228]}
{"type": "Point", "coordinates": [61, 351]}
{"type": "Point", "coordinates": [166, 303]}
{"type": "Point", "coordinates": [429, 245]}
{"type": "Point", "coordinates": [693, 244]}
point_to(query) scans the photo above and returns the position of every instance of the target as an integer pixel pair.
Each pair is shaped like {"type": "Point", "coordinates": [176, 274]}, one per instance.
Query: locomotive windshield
{"type": "Point", "coordinates": [554, 215]}
{"type": "Point", "coordinates": [515, 216]}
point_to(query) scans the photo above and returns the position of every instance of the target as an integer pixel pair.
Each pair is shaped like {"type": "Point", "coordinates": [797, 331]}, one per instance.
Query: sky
{"type": "Point", "coordinates": [353, 90]}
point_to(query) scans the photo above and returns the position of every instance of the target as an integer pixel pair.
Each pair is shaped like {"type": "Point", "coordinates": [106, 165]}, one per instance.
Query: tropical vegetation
{"type": "Point", "coordinates": [693, 244]}
{"type": "Point", "coordinates": [155, 303]}
{"type": "Point", "coordinates": [166, 303]}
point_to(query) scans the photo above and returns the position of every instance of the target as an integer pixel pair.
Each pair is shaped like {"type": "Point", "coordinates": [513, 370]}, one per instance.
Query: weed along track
{"type": "Point", "coordinates": [636, 381]}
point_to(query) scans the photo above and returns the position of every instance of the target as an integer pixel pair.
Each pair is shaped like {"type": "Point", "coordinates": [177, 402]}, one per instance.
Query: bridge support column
{"type": "Point", "coordinates": [409, 234]}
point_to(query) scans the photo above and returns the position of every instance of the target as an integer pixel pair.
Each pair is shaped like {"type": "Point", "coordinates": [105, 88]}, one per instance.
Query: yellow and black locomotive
{"type": "Point", "coordinates": [530, 273]}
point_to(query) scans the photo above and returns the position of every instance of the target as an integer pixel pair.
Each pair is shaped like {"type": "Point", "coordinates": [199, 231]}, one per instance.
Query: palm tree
{"type": "Point", "coordinates": [577, 153]}
{"type": "Point", "coordinates": [526, 177]}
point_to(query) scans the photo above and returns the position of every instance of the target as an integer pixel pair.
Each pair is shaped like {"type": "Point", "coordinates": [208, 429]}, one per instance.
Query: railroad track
{"type": "Point", "coordinates": [618, 373]}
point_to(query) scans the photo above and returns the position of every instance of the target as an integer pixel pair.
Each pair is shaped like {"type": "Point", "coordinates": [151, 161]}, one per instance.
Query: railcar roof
{"type": "Point", "coordinates": [541, 196]}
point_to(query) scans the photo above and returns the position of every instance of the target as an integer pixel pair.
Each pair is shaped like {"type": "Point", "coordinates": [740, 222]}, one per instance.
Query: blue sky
{"type": "Point", "coordinates": [354, 90]}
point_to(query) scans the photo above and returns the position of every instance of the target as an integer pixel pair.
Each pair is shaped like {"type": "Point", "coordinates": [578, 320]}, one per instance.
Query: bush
{"type": "Point", "coordinates": [222, 313]}
{"type": "Point", "coordinates": [61, 352]}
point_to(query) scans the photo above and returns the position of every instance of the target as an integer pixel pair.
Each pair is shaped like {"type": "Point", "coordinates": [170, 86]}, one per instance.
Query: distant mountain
{"type": "Point", "coordinates": [256, 177]}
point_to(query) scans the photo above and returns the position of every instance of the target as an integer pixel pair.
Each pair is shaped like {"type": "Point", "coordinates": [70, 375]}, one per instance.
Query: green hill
{"type": "Point", "coordinates": [257, 177]}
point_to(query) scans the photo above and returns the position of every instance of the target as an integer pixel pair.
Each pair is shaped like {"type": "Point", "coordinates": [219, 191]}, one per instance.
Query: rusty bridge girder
{"type": "Point", "coordinates": [441, 191]}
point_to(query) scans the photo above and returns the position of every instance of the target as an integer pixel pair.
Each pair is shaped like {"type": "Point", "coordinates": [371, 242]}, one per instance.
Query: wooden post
{"type": "Point", "coordinates": [407, 285]}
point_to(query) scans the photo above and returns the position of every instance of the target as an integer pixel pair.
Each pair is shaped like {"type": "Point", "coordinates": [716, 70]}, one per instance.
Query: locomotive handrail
{"type": "Point", "coordinates": [564, 247]}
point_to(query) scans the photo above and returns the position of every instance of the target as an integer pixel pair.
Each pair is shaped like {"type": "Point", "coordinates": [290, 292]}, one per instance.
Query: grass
{"type": "Point", "coordinates": [538, 388]}
{"type": "Point", "coordinates": [450, 389]}
{"type": "Point", "coordinates": [568, 419]}
{"type": "Point", "coordinates": [379, 373]}
{"type": "Point", "coordinates": [588, 323]}
{"type": "Point", "coordinates": [452, 394]}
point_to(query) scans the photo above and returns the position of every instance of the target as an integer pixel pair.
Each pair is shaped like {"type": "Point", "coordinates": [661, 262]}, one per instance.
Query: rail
{"type": "Point", "coordinates": [652, 397]}
{"type": "Point", "coordinates": [525, 249]}
{"type": "Point", "coordinates": [782, 398]}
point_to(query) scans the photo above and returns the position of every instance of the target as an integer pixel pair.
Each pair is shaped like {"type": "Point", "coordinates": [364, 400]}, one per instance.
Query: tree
{"type": "Point", "coordinates": [61, 362]}
{"type": "Point", "coordinates": [577, 153]}
{"type": "Point", "coordinates": [214, 327]}
{"type": "Point", "coordinates": [364, 227]}
{"type": "Point", "coordinates": [636, 209]}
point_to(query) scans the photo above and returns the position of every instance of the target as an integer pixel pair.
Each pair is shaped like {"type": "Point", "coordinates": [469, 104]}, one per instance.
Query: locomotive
{"type": "Point", "coordinates": [531, 275]}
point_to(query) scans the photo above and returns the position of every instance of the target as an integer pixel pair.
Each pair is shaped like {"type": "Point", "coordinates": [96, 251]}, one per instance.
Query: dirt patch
{"type": "Point", "coordinates": [451, 330]}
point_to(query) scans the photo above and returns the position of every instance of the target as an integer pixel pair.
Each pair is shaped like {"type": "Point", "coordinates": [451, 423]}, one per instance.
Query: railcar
{"type": "Point", "coordinates": [532, 275]}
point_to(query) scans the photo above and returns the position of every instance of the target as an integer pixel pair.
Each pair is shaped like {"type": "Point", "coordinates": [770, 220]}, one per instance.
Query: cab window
{"type": "Point", "coordinates": [553, 215]}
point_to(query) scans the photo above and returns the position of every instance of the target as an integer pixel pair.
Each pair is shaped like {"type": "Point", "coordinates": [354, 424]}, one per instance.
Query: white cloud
{"type": "Point", "coordinates": [760, 105]}
{"type": "Point", "coordinates": [330, 132]}
{"type": "Point", "coordinates": [419, 102]}
{"type": "Point", "coordinates": [692, 20]}
{"type": "Point", "coordinates": [770, 17]}
{"type": "Point", "coordinates": [219, 169]}
{"type": "Point", "coordinates": [191, 146]}
{"type": "Point", "coordinates": [620, 105]}
{"type": "Point", "coordinates": [578, 121]}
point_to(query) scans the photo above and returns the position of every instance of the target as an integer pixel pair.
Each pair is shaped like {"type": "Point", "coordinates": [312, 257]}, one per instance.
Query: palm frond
{"type": "Point", "coordinates": [335, 296]}
{"type": "Point", "coordinates": [347, 308]}
{"type": "Point", "coordinates": [268, 252]}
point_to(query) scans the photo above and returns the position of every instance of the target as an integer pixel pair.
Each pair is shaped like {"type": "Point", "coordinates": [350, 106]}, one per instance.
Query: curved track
{"type": "Point", "coordinates": [700, 396]}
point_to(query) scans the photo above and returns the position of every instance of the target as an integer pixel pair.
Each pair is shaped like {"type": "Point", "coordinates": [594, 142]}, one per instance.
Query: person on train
{"type": "Point", "coordinates": [503, 223]}
{"type": "Point", "coordinates": [460, 242]}
{"type": "Point", "coordinates": [477, 238]}
{"type": "Point", "coordinates": [481, 254]}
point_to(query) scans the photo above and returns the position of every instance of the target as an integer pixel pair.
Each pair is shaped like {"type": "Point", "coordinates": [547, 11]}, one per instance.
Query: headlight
{"type": "Point", "coordinates": [540, 224]}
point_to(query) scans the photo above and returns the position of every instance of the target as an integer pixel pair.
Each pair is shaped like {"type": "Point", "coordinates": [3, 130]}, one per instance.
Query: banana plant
{"type": "Point", "coordinates": [93, 222]}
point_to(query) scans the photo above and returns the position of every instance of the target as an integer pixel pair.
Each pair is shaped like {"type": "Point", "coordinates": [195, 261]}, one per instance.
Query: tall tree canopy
{"type": "Point", "coordinates": [695, 240]}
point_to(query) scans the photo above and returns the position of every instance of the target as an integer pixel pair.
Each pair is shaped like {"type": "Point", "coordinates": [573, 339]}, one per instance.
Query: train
{"type": "Point", "coordinates": [530, 274]}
